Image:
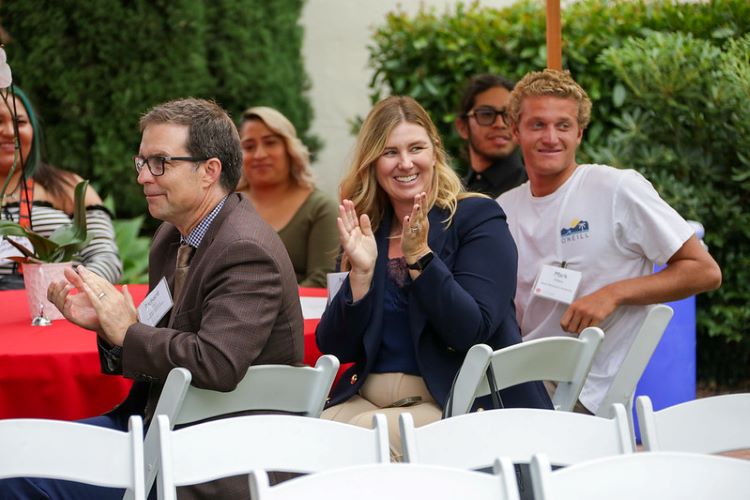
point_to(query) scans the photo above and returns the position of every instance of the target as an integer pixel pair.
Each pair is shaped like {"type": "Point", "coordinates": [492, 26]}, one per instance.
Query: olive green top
{"type": "Point", "coordinates": [311, 239]}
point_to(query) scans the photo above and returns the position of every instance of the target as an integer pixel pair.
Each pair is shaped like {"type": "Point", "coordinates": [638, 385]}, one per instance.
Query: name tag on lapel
{"type": "Point", "coordinates": [334, 282]}
{"type": "Point", "coordinates": [156, 304]}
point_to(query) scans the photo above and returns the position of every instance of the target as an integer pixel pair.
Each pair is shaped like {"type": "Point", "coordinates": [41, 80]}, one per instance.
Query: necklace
{"type": "Point", "coordinates": [13, 195]}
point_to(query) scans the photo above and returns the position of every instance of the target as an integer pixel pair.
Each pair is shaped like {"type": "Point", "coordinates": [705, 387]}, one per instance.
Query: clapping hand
{"type": "Point", "coordinates": [98, 305]}
{"type": "Point", "coordinates": [415, 230]}
{"type": "Point", "coordinates": [358, 242]}
{"type": "Point", "coordinates": [76, 307]}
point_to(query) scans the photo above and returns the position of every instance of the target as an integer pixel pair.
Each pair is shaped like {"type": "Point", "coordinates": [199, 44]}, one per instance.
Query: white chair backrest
{"type": "Point", "coordinates": [74, 451]}
{"type": "Point", "coordinates": [709, 425]}
{"type": "Point", "coordinates": [472, 441]}
{"type": "Point", "coordinates": [296, 389]}
{"type": "Point", "coordinates": [645, 476]}
{"type": "Point", "coordinates": [635, 361]}
{"type": "Point", "coordinates": [565, 360]}
{"type": "Point", "coordinates": [239, 445]}
{"type": "Point", "coordinates": [392, 482]}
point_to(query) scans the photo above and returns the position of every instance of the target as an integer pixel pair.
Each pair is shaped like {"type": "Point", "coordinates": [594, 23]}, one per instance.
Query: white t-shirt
{"type": "Point", "coordinates": [610, 225]}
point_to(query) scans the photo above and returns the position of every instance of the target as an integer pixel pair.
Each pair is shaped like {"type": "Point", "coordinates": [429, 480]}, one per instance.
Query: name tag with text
{"type": "Point", "coordinates": [557, 283]}
{"type": "Point", "coordinates": [334, 282]}
{"type": "Point", "coordinates": [156, 304]}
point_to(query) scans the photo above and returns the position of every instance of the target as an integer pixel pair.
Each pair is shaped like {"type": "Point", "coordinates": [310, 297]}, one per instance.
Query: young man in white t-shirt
{"type": "Point", "coordinates": [609, 225]}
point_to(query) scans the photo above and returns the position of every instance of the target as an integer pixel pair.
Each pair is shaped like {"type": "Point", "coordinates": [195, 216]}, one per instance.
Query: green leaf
{"type": "Point", "coordinates": [64, 241]}
{"type": "Point", "coordinates": [79, 211]}
{"type": "Point", "coordinates": [618, 95]}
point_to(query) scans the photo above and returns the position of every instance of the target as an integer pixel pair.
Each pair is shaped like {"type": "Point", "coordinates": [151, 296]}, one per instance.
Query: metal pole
{"type": "Point", "coordinates": [554, 35]}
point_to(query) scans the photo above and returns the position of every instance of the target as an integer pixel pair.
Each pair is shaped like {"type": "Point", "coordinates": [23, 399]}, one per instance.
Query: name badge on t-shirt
{"type": "Point", "coordinates": [557, 283]}
{"type": "Point", "coordinates": [156, 304]}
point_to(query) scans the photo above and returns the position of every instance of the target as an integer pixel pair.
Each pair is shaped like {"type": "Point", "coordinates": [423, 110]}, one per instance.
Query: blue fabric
{"type": "Point", "coordinates": [463, 297]}
{"type": "Point", "coordinates": [396, 352]}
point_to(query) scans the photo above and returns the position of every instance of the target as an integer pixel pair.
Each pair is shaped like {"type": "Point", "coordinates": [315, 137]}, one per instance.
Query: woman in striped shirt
{"type": "Point", "coordinates": [46, 193]}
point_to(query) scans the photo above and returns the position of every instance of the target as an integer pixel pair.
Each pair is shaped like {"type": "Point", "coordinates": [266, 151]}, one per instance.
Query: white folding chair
{"type": "Point", "coordinates": [394, 482]}
{"type": "Point", "coordinates": [715, 424]}
{"type": "Point", "coordinates": [646, 476]}
{"type": "Point", "coordinates": [74, 451]}
{"type": "Point", "coordinates": [635, 361]}
{"type": "Point", "coordinates": [473, 440]}
{"type": "Point", "coordinates": [566, 360]}
{"type": "Point", "coordinates": [300, 390]}
{"type": "Point", "coordinates": [239, 445]}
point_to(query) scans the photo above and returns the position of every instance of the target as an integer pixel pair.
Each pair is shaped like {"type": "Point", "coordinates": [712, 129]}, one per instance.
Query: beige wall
{"type": "Point", "coordinates": [337, 33]}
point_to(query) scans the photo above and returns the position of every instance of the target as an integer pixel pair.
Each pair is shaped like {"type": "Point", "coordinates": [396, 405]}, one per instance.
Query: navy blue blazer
{"type": "Point", "coordinates": [463, 297]}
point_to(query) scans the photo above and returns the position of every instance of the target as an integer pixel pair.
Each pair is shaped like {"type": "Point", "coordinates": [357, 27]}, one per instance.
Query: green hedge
{"type": "Point", "coordinates": [684, 122]}
{"type": "Point", "coordinates": [432, 54]}
{"type": "Point", "coordinates": [674, 106]}
{"type": "Point", "coordinates": [93, 67]}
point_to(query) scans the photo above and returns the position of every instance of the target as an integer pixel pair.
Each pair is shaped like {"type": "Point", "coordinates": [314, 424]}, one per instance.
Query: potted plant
{"type": "Point", "coordinates": [48, 256]}
{"type": "Point", "coordinates": [45, 262]}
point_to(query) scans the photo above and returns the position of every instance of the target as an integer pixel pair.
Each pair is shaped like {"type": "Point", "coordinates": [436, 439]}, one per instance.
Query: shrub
{"type": "Point", "coordinates": [684, 124]}
{"type": "Point", "coordinates": [134, 249]}
{"type": "Point", "coordinates": [672, 106]}
{"type": "Point", "coordinates": [430, 56]}
{"type": "Point", "coordinates": [94, 67]}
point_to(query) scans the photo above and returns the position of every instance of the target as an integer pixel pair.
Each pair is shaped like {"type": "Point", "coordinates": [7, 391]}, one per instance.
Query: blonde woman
{"type": "Point", "coordinates": [432, 271]}
{"type": "Point", "coordinates": [278, 180]}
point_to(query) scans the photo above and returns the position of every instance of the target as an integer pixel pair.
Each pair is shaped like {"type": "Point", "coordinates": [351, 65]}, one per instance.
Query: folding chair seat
{"type": "Point", "coordinates": [715, 424]}
{"type": "Point", "coordinates": [301, 390]}
{"type": "Point", "coordinates": [239, 445]}
{"type": "Point", "coordinates": [646, 476]}
{"type": "Point", "coordinates": [394, 482]}
{"type": "Point", "coordinates": [74, 451]}
{"type": "Point", "coordinates": [565, 360]}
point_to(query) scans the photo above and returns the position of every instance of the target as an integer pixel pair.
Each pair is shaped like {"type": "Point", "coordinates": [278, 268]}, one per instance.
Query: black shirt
{"type": "Point", "coordinates": [503, 175]}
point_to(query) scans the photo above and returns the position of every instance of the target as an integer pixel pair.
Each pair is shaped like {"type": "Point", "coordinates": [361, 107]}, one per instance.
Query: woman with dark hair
{"type": "Point", "coordinates": [432, 271]}
{"type": "Point", "coordinates": [40, 196]}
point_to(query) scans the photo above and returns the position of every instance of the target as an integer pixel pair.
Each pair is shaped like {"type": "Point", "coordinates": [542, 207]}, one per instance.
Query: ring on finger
{"type": "Point", "coordinates": [102, 294]}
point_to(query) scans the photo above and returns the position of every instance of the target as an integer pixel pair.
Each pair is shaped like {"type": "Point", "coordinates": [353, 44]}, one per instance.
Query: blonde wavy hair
{"type": "Point", "coordinates": [554, 83]}
{"type": "Point", "coordinates": [360, 183]}
{"type": "Point", "coordinates": [280, 125]}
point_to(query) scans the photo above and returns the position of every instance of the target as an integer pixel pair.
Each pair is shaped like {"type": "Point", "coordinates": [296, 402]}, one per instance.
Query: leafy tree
{"type": "Point", "coordinates": [684, 123]}
{"type": "Point", "coordinates": [669, 83]}
{"type": "Point", "coordinates": [93, 68]}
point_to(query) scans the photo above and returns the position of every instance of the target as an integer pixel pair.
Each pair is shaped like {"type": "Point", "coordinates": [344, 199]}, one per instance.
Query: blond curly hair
{"type": "Point", "coordinates": [554, 83]}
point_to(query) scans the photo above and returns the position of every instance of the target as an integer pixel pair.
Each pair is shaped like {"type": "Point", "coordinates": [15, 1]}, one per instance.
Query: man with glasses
{"type": "Point", "coordinates": [219, 272]}
{"type": "Point", "coordinates": [495, 165]}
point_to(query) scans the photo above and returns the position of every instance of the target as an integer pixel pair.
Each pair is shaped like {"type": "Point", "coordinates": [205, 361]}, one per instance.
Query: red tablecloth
{"type": "Point", "coordinates": [53, 371]}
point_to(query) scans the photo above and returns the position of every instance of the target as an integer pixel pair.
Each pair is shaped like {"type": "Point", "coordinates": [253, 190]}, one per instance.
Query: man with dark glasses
{"type": "Point", "coordinates": [495, 165]}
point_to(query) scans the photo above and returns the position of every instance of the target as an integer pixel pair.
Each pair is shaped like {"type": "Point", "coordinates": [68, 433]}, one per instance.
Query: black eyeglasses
{"type": "Point", "coordinates": [155, 164]}
{"type": "Point", "coordinates": [486, 115]}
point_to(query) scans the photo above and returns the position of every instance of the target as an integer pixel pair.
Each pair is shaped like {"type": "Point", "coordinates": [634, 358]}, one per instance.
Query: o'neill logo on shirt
{"type": "Point", "coordinates": [578, 230]}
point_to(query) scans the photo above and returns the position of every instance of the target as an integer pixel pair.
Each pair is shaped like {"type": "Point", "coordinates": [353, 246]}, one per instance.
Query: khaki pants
{"type": "Point", "coordinates": [377, 394]}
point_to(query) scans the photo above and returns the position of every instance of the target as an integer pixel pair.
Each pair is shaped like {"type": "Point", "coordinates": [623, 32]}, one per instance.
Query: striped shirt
{"type": "Point", "coordinates": [100, 255]}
